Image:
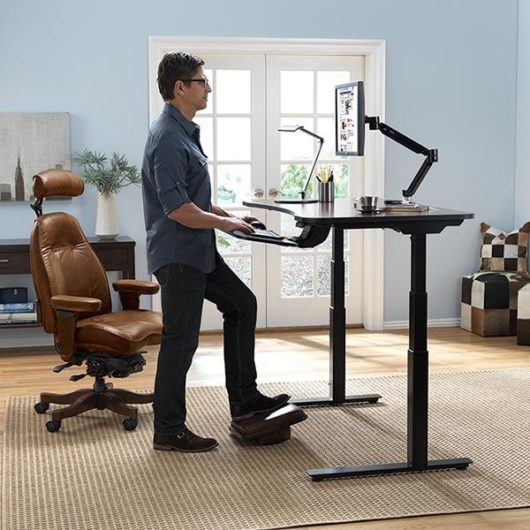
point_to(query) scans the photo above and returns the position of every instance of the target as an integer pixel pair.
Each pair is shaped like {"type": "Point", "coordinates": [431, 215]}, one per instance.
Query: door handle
{"type": "Point", "coordinates": [259, 193]}
{"type": "Point", "coordinates": [273, 192]}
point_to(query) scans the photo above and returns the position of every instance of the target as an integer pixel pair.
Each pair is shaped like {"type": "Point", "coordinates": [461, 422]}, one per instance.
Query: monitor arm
{"type": "Point", "coordinates": [430, 154]}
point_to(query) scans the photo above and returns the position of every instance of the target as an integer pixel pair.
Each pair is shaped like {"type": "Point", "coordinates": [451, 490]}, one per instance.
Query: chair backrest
{"type": "Point", "coordinates": [62, 260]}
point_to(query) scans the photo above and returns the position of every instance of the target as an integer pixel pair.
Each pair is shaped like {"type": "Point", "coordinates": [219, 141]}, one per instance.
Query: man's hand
{"type": "Point", "coordinates": [235, 223]}
{"type": "Point", "coordinates": [249, 218]}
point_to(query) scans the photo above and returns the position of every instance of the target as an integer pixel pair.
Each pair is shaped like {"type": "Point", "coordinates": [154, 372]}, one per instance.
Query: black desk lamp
{"type": "Point", "coordinates": [303, 199]}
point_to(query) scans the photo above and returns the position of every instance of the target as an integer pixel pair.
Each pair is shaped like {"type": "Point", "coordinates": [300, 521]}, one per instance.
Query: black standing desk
{"type": "Point", "coordinates": [339, 216]}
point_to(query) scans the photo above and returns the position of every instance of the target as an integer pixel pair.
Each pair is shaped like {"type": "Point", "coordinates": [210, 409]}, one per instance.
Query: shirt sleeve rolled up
{"type": "Point", "coordinates": [170, 169]}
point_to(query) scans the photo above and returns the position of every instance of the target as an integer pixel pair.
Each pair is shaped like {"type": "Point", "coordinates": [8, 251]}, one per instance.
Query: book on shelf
{"type": "Point", "coordinates": [18, 307]}
{"type": "Point", "coordinates": [18, 318]}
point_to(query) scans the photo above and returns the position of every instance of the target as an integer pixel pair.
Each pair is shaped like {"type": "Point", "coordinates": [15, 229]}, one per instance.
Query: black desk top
{"type": "Point", "coordinates": [342, 214]}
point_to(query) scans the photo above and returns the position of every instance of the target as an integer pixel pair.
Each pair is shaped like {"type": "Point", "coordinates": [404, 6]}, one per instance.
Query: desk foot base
{"type": "Point", "coordinates": [364, 398]}
{"type": "Point", "coordinates": [385, 469]}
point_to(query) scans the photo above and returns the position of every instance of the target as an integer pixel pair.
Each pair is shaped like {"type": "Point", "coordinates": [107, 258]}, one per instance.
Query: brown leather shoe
{"type": "Point", "coordinates": [185, 442]}
{"type": "Point", "coordinates": [259, 405]}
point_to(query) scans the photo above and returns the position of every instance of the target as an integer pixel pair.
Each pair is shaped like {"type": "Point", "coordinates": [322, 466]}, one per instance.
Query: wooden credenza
{"type": "Point", "coordinates": [115, 255]}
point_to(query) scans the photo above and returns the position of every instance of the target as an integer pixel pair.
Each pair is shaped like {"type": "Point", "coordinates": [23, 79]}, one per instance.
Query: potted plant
{"type": "Point", "coordinates": [109, 177]}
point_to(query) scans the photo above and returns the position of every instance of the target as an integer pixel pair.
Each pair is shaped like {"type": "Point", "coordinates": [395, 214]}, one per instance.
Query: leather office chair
{"type": "Point", "coordinates": [75, 305]}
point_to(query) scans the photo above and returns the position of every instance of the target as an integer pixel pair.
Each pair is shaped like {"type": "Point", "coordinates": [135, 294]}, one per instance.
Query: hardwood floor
{"type": "Point", "coordinates": [303, 355]}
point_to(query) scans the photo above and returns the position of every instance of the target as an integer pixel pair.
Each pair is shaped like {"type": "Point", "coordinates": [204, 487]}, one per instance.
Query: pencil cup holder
{"type": "Point", "coordinates": [326, 191]}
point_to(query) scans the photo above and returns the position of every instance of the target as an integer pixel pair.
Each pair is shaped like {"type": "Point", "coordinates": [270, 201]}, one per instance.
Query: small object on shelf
{"type": "Point", "coordinates": [13, 295]}
{"type": "Point", "coordinates": [20, 307]}
{"type": "Point", "coordinates": [109, 176]}
{"type": "Point", "coordinates": [18, 318]}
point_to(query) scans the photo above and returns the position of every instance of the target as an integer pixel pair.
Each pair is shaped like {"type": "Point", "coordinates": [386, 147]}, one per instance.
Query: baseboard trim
{"type": "Point", "coordinates": [432, 323]}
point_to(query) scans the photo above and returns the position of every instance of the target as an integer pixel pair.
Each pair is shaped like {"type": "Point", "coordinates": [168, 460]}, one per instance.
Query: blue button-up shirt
{"type": "Point", "coordinates": [174, 172]}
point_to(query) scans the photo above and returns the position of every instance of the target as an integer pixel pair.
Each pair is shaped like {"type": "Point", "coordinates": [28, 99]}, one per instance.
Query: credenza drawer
{"type": "Point", "coordinates": [115, 255]}
{"type": "Point", "coordinates": [14, 262]}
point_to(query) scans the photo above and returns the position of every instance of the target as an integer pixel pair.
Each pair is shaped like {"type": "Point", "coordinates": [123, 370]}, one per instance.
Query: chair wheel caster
{"type": "Point", "coordinates": [41, 408]}
{"type": "Point", "coordinates": [53, 426]}
{"type": "Point", "coordinates": [130, 424]}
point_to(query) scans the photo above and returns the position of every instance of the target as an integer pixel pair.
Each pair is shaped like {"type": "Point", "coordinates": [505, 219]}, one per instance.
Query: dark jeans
{"type": "Point", "coordinates": [183, 290]}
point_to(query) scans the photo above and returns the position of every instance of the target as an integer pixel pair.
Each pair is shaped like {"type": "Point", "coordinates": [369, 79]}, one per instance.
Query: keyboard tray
{"type": "Point", "coordinates": [264, 236]}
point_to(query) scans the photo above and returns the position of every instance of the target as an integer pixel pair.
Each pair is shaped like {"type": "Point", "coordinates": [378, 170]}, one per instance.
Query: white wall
{"type": "Point", "coordinates": [451, 84]}
{"type": "Point", "coordinates": [522, 174]}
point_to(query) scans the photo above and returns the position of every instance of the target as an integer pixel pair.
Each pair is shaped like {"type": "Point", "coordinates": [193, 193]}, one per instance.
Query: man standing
{"type": "Point", "coordinates": [181, 253]}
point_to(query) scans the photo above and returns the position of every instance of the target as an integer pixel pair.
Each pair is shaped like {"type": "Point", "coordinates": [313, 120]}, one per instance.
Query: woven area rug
{"type": "Point", "coordinates": [94, 475]}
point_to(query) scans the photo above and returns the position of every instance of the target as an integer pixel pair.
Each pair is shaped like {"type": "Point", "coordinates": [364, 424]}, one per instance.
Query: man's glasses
{"type": "Point", "coordinates": [203, 81]}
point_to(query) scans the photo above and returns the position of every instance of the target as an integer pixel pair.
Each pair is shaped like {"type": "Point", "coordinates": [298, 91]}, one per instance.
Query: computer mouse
{"type": "Point", "coordinates": [258, 225]}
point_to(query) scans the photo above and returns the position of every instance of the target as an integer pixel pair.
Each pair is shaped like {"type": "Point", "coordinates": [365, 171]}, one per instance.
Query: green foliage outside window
{"type": "Point", "coordinates": [295, 176]}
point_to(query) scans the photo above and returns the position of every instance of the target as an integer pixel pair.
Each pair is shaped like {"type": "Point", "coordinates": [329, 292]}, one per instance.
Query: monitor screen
{"type": "Point", "coordinates": [349, 119]}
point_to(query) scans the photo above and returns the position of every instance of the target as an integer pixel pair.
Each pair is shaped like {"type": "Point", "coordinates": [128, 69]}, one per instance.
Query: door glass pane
{"type": "Point", "coordinates": [297, 145]}
{"type": "Point", "coordinates": [242, 266]}
{"type": "Point", "coordinates": [232, 90]}
{"type": "Point", "coordinates": [324, 275]}
{"type": "Point", "coordinates": [341, 177]}
{"type": "Point", "coordinates": [296, 92]}
{"type": "Point", "coordinates": [206, 125]}
{"type": "Point", "coordinates": [326, 129]}
{"type": "Point", "coordinates": [297, 276]}
{"type": "Point", "coordinates": [233, 183]}
{"type": "Point", "coordinates": [326, 82]}
{"type": "Point", "coordinates": [233, 139]}
{"type": "Point", "coordinates": [293, 180]}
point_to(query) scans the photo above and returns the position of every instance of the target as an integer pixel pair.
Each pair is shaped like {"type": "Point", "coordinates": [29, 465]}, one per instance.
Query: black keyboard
{"type": "Point", "coordinates": [269, 234]}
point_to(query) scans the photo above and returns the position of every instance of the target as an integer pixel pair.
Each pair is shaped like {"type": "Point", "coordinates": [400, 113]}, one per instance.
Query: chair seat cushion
{"type": "Point", "coordinates": [122, 332]}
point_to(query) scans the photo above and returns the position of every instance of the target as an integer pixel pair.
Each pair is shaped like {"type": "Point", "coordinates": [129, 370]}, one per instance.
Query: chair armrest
{"type": "Point", "coordinates": [76, 304]}
{"type": "Point", "coordinates": [67, 309]}
{"type": "Point", "coordinates": [130, 291]}
{"type": "Point", "coordinates": [136, 286]}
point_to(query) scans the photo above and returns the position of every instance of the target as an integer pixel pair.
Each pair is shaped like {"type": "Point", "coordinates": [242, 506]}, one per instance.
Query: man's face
{"type": "Point", "coordinates": [196, 92]}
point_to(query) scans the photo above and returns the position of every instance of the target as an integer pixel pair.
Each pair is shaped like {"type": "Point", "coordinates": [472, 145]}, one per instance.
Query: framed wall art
{"type": "Point", "coordinates": [29, 143]}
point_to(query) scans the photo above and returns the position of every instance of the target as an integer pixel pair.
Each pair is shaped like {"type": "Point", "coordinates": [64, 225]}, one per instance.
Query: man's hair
{"type": "Point", "coordinates": [175, 66]}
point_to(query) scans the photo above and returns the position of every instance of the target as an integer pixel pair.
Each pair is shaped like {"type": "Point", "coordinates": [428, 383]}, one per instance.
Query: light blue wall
{"type": "Point", "coordinates": [522, 179]}
{"type": "Point", "coordinates": [451, 84]}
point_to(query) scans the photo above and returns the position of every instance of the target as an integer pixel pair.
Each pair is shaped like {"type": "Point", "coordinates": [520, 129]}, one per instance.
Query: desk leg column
{"type": "Point", "coordinates": [418, 370]}
{"type": "Point", "coordinates": [337, 334]}
{"type": "Point", "coordinates": [418, 358]}
{"type": "Point", "coordinates": [337, 320]}
{"type": "Point", "coordinates": [417, 391]}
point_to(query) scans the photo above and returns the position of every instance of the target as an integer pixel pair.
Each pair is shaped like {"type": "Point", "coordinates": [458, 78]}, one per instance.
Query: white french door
{"type": "Point", "coordinates": [300, 91]}
{"type": "Point", "coordinates": [253, 94]}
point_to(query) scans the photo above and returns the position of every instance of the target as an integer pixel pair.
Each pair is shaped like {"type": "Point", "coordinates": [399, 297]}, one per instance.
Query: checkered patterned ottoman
{"type": "Point", "coordinates": [489, 302]}
{"type": "Point", "coordinates": [523, 316]}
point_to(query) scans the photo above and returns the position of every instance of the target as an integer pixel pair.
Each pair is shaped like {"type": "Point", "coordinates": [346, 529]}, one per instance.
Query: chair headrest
{"type": "Point", "coordinates": [57, 182]}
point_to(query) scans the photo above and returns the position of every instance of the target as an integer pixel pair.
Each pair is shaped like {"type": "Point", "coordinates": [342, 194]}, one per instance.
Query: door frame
{"type": "Point", "coordinates": [374, 52]}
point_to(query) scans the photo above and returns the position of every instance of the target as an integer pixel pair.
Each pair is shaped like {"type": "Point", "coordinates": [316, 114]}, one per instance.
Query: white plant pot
{"type": "Point", "coordinates": [106, 217]}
